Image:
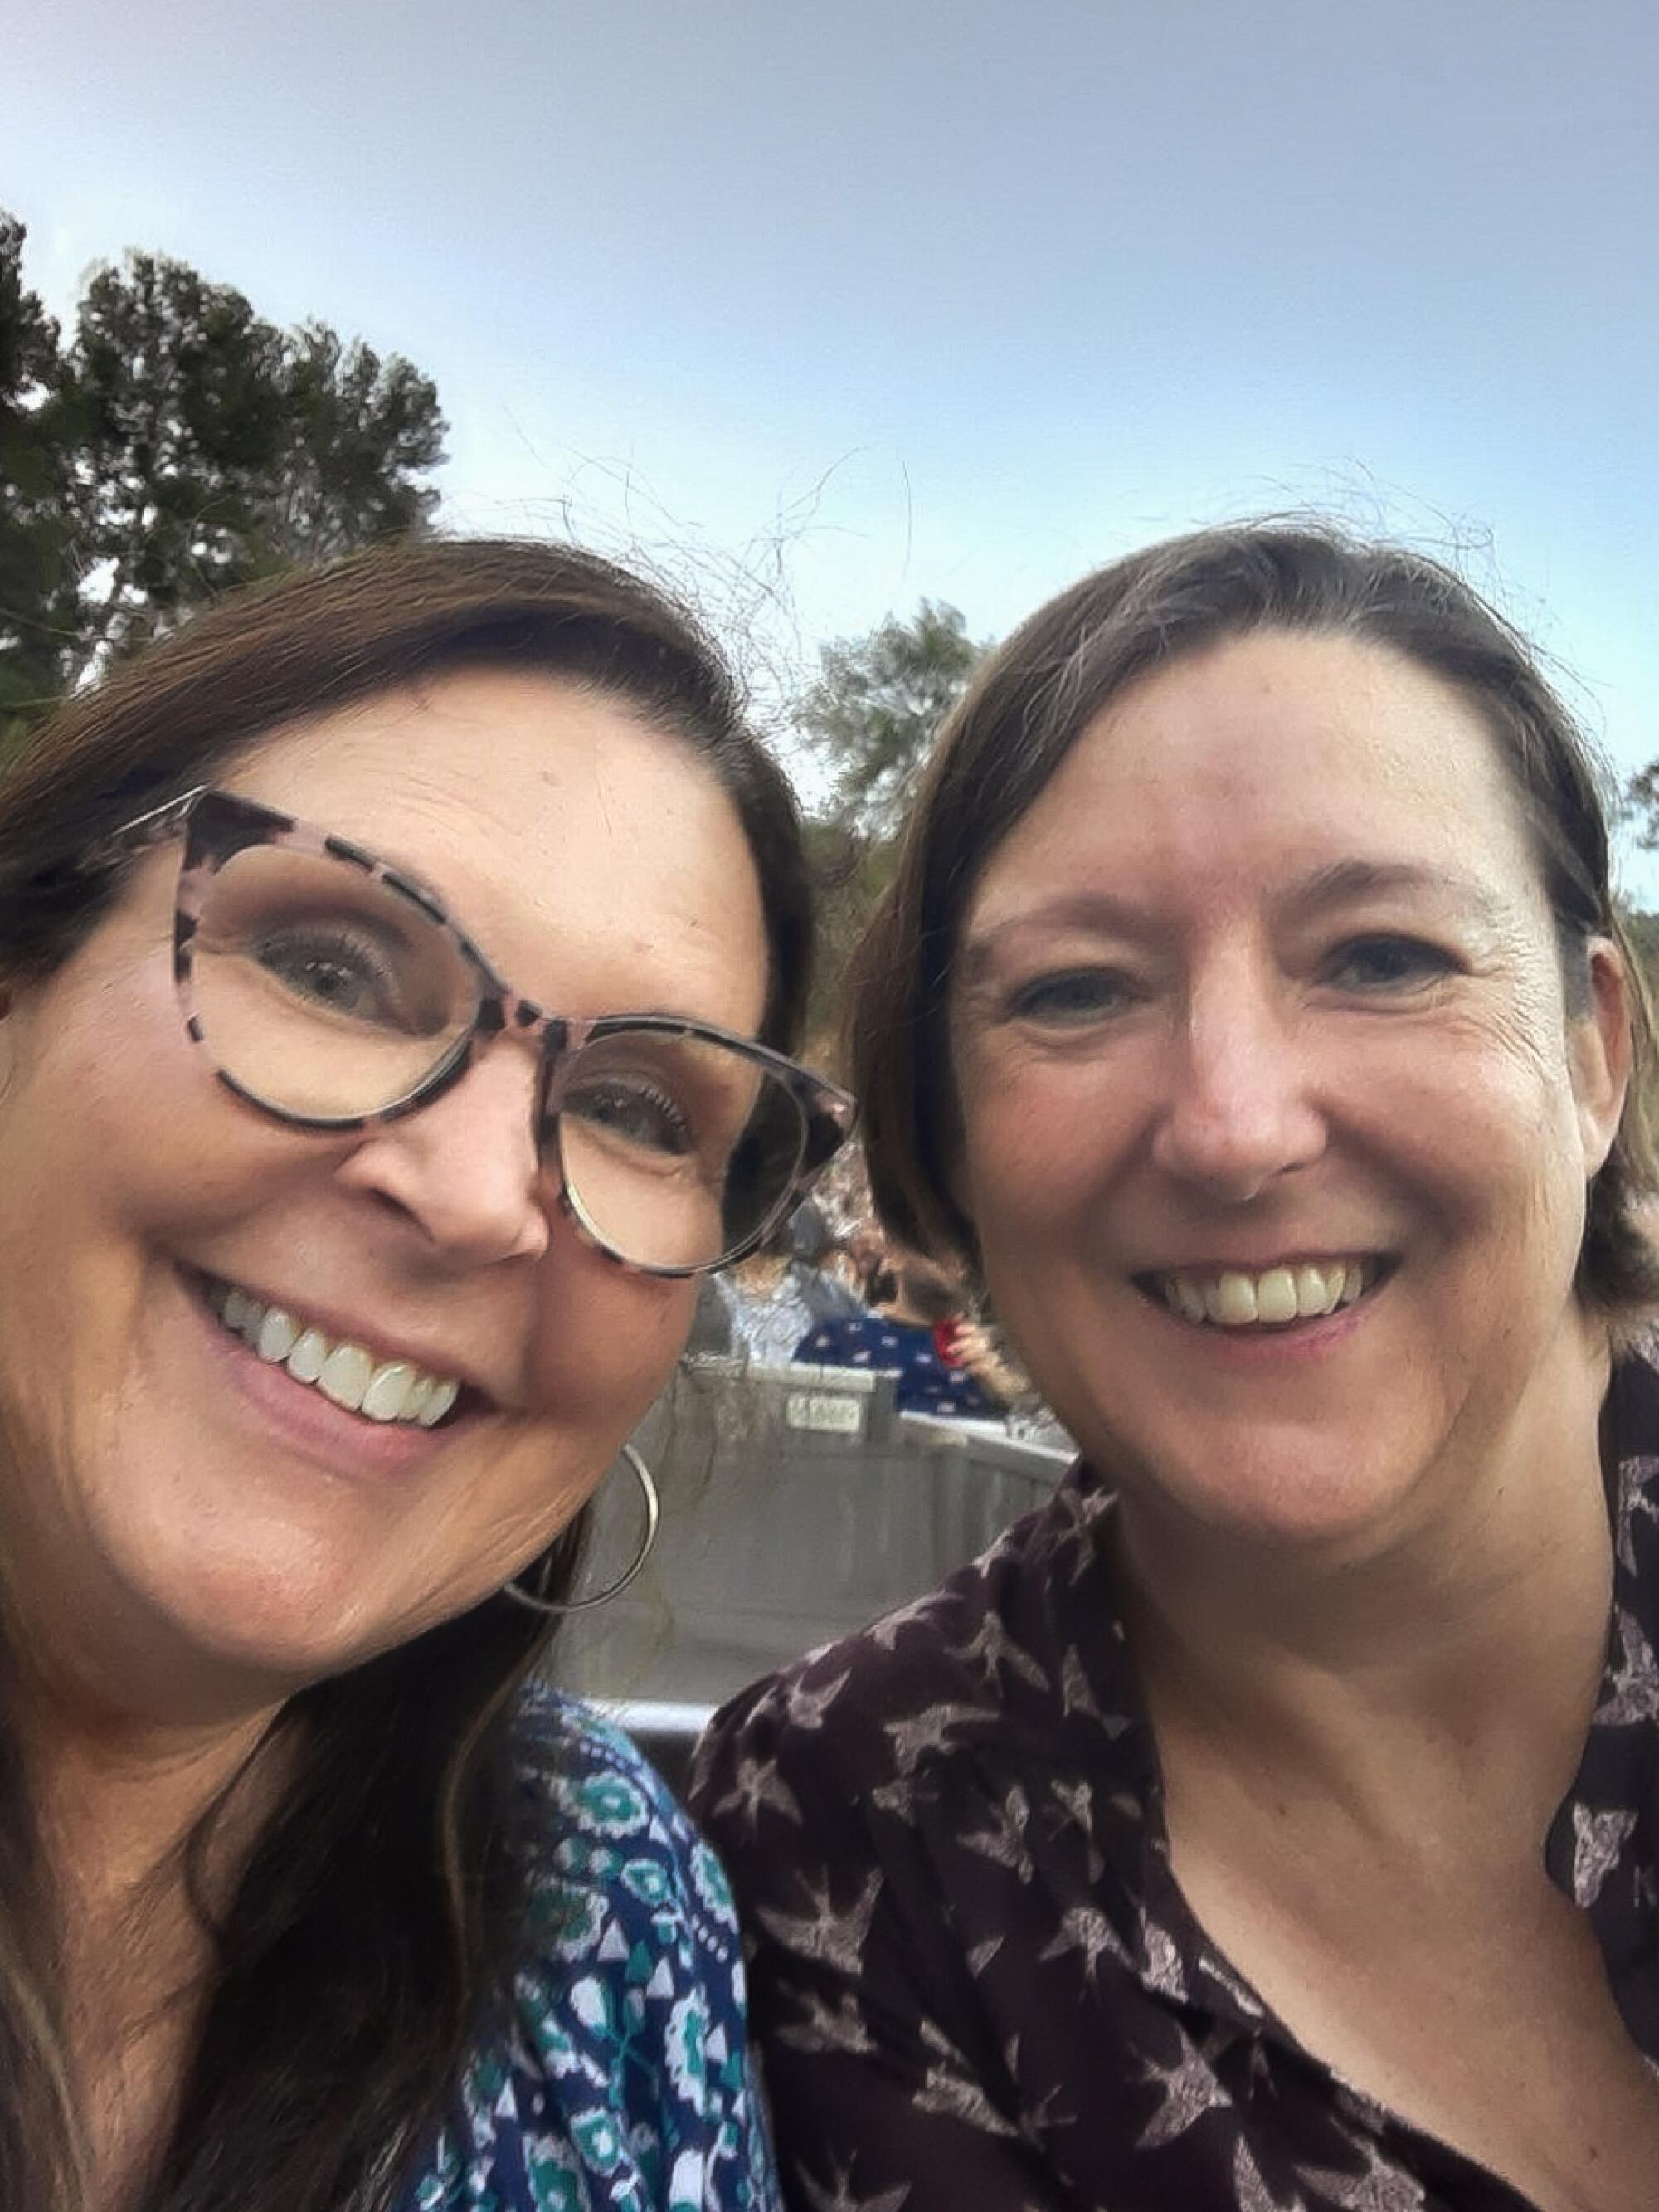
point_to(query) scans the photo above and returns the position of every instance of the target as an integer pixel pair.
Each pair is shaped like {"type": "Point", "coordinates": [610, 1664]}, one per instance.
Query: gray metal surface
{"type": "Point", "coordinates": [797, 1506]}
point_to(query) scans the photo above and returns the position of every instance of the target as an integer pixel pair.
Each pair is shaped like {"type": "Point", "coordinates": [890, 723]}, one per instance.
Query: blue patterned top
{"type": "Point", "coordinates": [624, 2080]}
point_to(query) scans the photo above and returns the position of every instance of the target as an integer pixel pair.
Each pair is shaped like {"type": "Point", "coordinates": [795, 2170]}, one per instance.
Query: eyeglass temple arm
{"type": "Point", "coordinates": [152, 827]}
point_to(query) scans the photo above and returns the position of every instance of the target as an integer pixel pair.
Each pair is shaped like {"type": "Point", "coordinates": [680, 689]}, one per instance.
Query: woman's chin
{"type": "Point", "coordinates": [242, 1632]}
{"type": "Point", "coordinates": [1278, 1494]}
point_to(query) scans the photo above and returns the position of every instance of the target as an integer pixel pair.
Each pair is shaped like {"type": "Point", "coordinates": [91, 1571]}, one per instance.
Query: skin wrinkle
{"type": "Point", "coordinates": [553, 932]}
{"type": "Point", "coordinates": [1365, 1575]}
{"type": "Point", "coordinates": [177, 1562]}
{"type": "Point", "coordinates": [1517, 1021]}
{"type": "Point", "coordinates": [1344, 883]}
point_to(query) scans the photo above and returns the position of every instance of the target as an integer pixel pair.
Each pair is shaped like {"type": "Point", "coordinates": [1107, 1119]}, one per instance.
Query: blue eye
{"type": "Point", "coordinates": [1386, 962]}
{"type": "Point", "coordinates": [1074, 996]}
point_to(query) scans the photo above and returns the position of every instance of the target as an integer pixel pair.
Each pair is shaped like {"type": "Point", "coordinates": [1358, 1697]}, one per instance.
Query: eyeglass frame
{"type": "Point", "coordinates": [828, 1112]}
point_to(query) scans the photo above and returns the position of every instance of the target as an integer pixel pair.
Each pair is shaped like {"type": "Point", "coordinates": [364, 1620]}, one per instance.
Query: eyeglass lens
{"type": "Point", "coordinates": [326, 995]}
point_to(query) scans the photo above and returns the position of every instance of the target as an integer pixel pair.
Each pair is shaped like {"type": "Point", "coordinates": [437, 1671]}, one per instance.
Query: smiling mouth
{"type": "Point", "coordinates": [1278, 1297]}
{"type": "Point", "coordinates": [389, 1392]}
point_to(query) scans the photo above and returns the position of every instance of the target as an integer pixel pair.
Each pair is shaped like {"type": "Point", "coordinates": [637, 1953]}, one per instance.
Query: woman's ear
{"type": "Point", "coordinates": [1601, 1049]}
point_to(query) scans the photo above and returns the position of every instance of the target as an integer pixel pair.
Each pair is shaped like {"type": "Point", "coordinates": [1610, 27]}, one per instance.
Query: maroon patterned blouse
{"type": "Point", "coordinates": [975, 1983]}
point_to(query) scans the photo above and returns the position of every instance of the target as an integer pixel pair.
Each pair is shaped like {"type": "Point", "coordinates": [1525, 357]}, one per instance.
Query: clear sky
{"type": "Point", "coordinates": [828, 307]}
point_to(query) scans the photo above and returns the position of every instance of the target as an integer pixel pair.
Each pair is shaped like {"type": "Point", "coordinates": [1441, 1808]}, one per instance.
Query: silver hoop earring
{"type": "Point", "coordinates": [653, 1521]}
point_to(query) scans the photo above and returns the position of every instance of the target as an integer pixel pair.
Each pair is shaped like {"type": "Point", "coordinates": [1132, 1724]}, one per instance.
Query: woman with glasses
{"type": "Point", "coordinates": [397, 974]}
{"type": "Point", "coordinates": [1269, 1823]}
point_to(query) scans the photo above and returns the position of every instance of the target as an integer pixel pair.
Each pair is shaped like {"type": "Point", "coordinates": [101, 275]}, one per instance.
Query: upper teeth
{"type": "Point", "coordinates": [1233, 1299]}
{"type": "Point", "coordinates": [382, 1389]}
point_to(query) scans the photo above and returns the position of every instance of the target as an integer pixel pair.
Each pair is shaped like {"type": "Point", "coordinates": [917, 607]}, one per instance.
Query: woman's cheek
{"type": "Point", "coordinates": [608, 1335]}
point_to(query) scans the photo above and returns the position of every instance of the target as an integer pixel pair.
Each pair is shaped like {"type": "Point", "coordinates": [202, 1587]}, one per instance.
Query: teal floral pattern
{"type": "Point", "coordinates": [623, 2081]}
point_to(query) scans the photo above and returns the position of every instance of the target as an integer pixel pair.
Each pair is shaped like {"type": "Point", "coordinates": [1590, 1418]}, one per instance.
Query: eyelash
{"type": "Point", "coordinates": [1044, 998]}
{"type": "Point", "coordinates": [1418, 963]}
{"type": "Point", "coordinates": [1075, 997]}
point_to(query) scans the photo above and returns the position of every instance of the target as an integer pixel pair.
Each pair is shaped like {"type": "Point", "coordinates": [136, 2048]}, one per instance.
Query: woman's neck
{"type": "Point", "coordinates": [1454, 1658]}
{"type": "Point", "coordinates": [118, 1799]}
{"type": "Point", "coordinates": [116, 1803]}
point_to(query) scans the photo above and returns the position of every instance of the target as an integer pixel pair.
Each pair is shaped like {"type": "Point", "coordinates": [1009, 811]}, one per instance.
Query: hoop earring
{"type": "Point", "coordinates": [653, 1521]}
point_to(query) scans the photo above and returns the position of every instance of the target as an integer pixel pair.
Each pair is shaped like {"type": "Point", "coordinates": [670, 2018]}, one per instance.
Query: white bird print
{"type": "Point", "coordinates": [1635, 1498]}
{"type": "Point", "coordinates": [833, 1935]}
{"type": "Point", "coordinates": [1076, 1695]}
{"type": "Point", "coordinates": [1086, 1928]}
{"type": "Point", "coordinates": [820, 2026]}
{"type": "Point", "coordinates": [1380, 2189]}
{"type": "Point", "coordinates": [807, 1708]}
{"type": "Point", "coordinates": [839, 2196]}
{"type": "Point", "coordinates": [1163, 1971]}
{"type": "Point", "coordinates": [1597, 1840]}
{"type": "Point", "coordinates": [981, 1955]}
{"type": "Point", "coordinates": [756, 1783]}
{"type": "Point", "coordinates": [1634, 1692]}
{"type": "Point", "coordinates": [961, 2099]}
{"type": "Point", "coordinates": [885, 1631]}
{"type": "Point", "coordinates": [1238, 1989]}
{"type": "Point", "coordinates": [993, 1648]}
{"type": "Point", "coordinates": [1189, 2090]}
{"type": "Point", "coordinates": [927, 1731]}
{"type": "Point", "coordinates": [1003, 1841]}
{"type": "Point", "coordinates": [1252, 2191]}
{"type": "Point", "coordinates": [1076, 1800]}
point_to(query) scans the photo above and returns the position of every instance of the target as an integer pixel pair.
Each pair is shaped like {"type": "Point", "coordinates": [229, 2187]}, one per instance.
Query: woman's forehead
{"type": "Point", "coordinates": [1260, 762]}
{"type": "Point", "coordinates": [544, 813]}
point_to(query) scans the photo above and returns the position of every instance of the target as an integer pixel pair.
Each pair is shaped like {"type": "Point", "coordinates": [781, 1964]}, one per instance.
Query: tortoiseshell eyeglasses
{"type": "Point", "coordinates": [332, 990]}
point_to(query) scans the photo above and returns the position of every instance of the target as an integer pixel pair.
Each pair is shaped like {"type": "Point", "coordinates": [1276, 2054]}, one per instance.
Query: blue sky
{"type": "Point", "coordinates": [825, 308]}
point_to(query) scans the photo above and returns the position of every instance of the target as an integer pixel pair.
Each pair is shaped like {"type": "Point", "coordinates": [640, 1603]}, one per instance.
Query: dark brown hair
{"type": "Point", "coordinates": [1037, 694]}
{"type": "Point", "coordinates": [374, 1926]}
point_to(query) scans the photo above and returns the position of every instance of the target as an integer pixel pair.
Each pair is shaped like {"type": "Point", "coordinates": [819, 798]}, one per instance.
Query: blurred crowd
{"type": "Point", "coordinates": [830, 1288]}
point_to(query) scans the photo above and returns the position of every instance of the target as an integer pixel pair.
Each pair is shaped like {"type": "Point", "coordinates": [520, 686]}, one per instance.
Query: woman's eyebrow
{"type": "Point", "coordinates": [1346, 883]}
{"type": "Point", "coordinates": [1090, 909]}
{"type": "Point", "coordinates": [1338, 883]}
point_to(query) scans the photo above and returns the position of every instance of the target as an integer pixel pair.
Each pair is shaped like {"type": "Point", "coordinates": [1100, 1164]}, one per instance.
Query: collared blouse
{"type": "Point", "coordinates": [976, 1981]}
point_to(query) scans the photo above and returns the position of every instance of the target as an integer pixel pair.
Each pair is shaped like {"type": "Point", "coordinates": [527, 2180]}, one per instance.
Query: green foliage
{"type": "Point", "coordinates": [872, 716]}
{"type": "Point", "coordinates": [178, 445]}
{"type": "Point", "coordinates": [1639, 805]}
{"type": "Point", "coordinates": [877, 706]}
{"type": "Point", "coordinates": [850, 873]}
{"type": "Point", "coordinates": [38, 516]}
{"type": "Point", "coordinates": [1642, 931]}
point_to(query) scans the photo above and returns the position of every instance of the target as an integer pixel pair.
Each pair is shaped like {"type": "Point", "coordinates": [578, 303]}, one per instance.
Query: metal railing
{"type": "Point", "coordinates": [798, 1505]}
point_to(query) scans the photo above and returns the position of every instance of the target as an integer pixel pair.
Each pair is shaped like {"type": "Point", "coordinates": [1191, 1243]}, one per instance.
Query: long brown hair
{"type": "Point", "coordinates": [373, 1926]}
{"type": "Point", "coordinates": [1038, 692]}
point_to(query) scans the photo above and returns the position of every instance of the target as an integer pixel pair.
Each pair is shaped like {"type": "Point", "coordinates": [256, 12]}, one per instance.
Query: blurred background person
{"type": "Point", "coordinates": [777, 1293]}
{"type": "Point", "coordinates": [918, 1327]}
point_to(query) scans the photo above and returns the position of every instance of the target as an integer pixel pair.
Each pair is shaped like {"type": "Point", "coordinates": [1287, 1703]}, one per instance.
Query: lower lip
{"type": "Point", "coordinates": [1266, 1347]}
{"type": "Point", "coordinates": [314, 1427]}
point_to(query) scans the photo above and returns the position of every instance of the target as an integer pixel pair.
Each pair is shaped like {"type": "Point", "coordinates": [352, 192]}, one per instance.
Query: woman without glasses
{"type": "Point", "coordinates": [396, 970]}
{"type": "Point", "coordinates": [1270, 1822]}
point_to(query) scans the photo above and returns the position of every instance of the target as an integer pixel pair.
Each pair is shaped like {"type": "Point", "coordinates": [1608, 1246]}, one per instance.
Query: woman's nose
{"type": "Point", "coordinates": [466, 1167]}
{"type": "Point", "coordinates": [1239, 1110]}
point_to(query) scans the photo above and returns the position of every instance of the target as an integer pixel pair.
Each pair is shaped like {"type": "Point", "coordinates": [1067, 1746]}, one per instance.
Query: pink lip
{"type": "Point", "coordinates": [314, 1427]}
